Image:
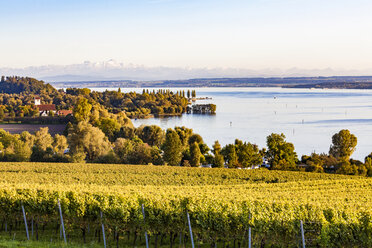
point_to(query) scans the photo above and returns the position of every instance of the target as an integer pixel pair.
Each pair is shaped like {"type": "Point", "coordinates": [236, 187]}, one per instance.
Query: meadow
{"type": "Point", "coordinates": [222, 203]}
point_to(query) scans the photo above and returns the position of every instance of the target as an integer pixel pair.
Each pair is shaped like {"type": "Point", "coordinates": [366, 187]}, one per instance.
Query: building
{"type": "Point", "coordinates": [64, 112]}
{"type": "Point", "coordinates": [37, 100]}
{"type": "Point", "coordinates": [44, 109]}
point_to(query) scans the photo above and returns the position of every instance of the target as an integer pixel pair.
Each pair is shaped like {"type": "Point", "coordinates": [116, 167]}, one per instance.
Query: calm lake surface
{"type": "Point", "coordinates": [307, 117]}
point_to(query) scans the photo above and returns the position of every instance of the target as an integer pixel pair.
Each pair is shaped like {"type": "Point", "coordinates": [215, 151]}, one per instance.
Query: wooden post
{"type": "Point", "coordinates": [62, 224]}
{"type": "Point", "coordinates": [191, 237]}
{"type": "Point", "coordinates": [103, 231]}
{"type": "Point", "coordinates": [302, 234]}
{"type": "Point", "coordinates": [143, 213]}
{"type": "Point", "coordinates": [24, 218]}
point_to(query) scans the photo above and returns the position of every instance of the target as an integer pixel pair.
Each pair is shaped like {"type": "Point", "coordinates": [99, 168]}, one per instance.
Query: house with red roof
{"type": "Point", "coordinates": [44, 109]}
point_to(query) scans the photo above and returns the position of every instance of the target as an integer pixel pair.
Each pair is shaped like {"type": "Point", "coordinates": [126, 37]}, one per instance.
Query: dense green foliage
{"type": "Point", "coordinates": [343, 145]}
{"type": "Point", "coordinates": [172, 148]}
{"type": "Point", "coordinates": [281, 154]}
{"type": "Point", "coordinates": [17, 85]}
{"type": "Point", "coordinates": [113, 139]}
{"type": "Point", "coordinates": [242, 155]}
{"type": "Point", "coordinates": [161, 102]}
{"type": "Point", "coordinates": [222, 203]}
{"type": "Point", "coordinates": [17, 99]}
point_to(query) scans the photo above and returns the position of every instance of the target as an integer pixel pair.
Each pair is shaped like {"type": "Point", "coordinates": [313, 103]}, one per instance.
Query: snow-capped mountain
{"type": "Point", "coordinates": [114, 70]}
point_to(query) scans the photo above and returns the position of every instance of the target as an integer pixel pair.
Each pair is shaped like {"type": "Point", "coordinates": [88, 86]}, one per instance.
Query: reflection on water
{"type": "Point", "coordinates": [307, 117]}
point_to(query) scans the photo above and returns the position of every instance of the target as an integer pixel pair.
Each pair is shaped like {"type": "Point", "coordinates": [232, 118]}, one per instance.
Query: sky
{"type": "Point", "coordinates": [250, 34]}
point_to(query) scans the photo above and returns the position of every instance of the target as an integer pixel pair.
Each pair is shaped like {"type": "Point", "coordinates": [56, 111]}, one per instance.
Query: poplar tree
{"type": "Point", "coordinates": [172, 148]}
{"type": "Point", "coordinates": [195, 155]}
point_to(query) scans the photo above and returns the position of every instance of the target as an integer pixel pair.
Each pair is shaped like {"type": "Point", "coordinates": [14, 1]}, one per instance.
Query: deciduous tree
{"type": "Point", "coordinates": [91, 140]}
{"type": "Point", "coordinates": [343, 145]}
{"type": "Point", "coordinates": [280, 153]}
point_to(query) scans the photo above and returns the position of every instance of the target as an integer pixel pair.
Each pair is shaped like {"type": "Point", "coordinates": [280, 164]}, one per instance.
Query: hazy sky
{"type": "Point", "coordinates": [252, 34]}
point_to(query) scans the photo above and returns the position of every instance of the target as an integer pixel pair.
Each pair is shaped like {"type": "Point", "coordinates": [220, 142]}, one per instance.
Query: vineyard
{"type": "Point", "coordinates": [223, 204]}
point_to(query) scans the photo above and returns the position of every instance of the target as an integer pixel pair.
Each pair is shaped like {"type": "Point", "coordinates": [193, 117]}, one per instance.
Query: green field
{"type": "Point", "coordinates": [222, 203]}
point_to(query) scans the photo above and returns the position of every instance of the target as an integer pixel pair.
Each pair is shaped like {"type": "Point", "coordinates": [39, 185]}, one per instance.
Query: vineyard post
{"type": "Point", "coordinates": [143, 212]}
{"type": "Point", "coordinates": [103, 231]}
{"type": "Point", "coordinates": [250, 237]}
{"type": "Point", "coordinates": [302, 234]}
{"type": "Point", "coordinates": [24, 217]}
{"type": "Point", "coordinates": [191, 237]}
{"type": "Point", "coordinates": [63, 225]}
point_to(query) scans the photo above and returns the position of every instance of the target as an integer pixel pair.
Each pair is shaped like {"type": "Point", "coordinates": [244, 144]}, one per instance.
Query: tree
{"type": "Point", "coordinates": [193, 94]}
{"type": "Point", "coordinates": [188, 93]}
{"type": "Point", "coordinates": [213, 108]}
{"type": "Point", "coordinates": [21, 151]}
{"type": "Point", "coordinates": [82, 110]}
{"type": "Point", "coordinates": [195, 155]}
{"type": "Point", "coordinates": [109, 126]}
{"type": "Point", "coordinates": [248, 154]}
{"type": "Point", "coordinates": [2, 114]}
{"type": "Point", "coordinates": [343, 145]}
{"type": "Point", "coordinates": [43, 147]}
{"type": "Point", "coordinates": [27, 138]}
{"type": "Point", "coordinates": [172, 148]}
{"type": "Point", "coordinates": [216, 147]}
{"type": "Point", "coordinates": [368, 164]}
{"type": "Point", "coordinates": [280, 153]}
{"type": "Point", "coordinates": [43, 139]}
{"type": "Point", "coordinates": [1, 151]}
{"type": "Point", "coordinates": [218, 160]}
{"type": "Point", "coordinates": [347, 168]}
{"type": "Point", "coordinates": [229, 154]}
{"type": "Point", "coordinates": [184, 134]}
{"type": "Point", "coordinates": [314, 162]}
{"type": "Point", "coordinates": [152, 135]}
{"type": "Point", "coordinates": [122, 148]}
{"type": "Point", "coordinates": [142, 154]}
{"type": "Point", "coordinates": [13, 148]}
{"type": "Point", "coordinates": [88, 139]}
{"type": "Point", "coordinates": [195, 138]}
{"type": "Point", "coordinates": [126, 132]}
{"type": "Point", "coordinates": [60, 144]}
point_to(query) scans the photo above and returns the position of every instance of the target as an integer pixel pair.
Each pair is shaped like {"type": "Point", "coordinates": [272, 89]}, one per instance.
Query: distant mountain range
{"type": "Point", "coordinates": [112, 70]}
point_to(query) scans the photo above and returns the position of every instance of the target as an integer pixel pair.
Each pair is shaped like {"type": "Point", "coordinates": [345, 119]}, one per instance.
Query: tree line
{"type": "Point", "coordinates": [17, 99]}
{"type": "Point", "coordinates": [101, 137]}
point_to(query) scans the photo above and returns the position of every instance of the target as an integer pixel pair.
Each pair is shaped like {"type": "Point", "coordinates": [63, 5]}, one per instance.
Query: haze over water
{"type": "Point", "coordinates": [308, 117]}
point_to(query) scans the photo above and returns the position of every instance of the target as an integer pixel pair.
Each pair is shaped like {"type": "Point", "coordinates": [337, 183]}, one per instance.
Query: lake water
{"type": "Point", "coordinates": [308, 117]}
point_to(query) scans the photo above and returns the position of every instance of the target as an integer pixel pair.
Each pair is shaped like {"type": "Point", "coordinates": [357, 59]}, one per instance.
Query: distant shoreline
{"type": "Point", "coordinates": [343, 82]}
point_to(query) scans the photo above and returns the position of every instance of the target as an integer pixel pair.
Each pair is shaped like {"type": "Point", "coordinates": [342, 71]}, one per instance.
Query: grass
{"type": "Point", "coordinates": [41, 244]}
